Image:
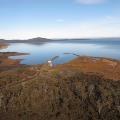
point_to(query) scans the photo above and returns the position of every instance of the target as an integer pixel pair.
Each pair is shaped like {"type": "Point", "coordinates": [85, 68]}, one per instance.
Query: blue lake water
{"type": "Point", "coordinates": [41, 53]}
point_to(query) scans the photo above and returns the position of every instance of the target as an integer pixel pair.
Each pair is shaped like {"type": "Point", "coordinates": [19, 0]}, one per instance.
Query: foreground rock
{"type": "Point", "coordinates": [71, 91]}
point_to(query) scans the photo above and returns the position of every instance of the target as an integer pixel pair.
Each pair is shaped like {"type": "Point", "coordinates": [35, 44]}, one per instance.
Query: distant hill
{"type": "Point", "coordinates": [33, 40]}
{"type": "Point", "coordinates": [2, 40]}
{"type": "Point", "coordinates": [42, 40]}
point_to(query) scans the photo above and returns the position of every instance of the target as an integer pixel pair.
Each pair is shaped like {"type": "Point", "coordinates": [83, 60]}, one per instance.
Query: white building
{"type": "Point", "coordinates": [50, 63]}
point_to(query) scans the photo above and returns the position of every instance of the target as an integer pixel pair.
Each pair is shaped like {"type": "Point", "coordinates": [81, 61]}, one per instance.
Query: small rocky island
{"type": "Point", "coordinates": [83, 89]}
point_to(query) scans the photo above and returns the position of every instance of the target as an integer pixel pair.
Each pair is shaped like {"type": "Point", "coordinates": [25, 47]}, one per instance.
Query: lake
{"type": "Point", "coordinates": [42, 52]}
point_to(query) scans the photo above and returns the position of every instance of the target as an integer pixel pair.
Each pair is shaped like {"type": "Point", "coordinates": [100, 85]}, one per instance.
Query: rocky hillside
{"type": "Point", "coordinates": [64, 92]}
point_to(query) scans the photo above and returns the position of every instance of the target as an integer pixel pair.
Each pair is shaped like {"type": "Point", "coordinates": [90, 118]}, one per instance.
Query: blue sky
{"type": "Point", "coordinates": [23, 19]}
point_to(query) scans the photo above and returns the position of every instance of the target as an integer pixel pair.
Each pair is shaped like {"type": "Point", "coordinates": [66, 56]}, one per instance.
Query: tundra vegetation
{"type": "Point", "coordinates": [83, 89]}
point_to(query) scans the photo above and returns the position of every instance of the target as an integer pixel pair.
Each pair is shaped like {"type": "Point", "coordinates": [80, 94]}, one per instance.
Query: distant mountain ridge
{"type": "Point", "coordinates": [42, 40]}
{"type": "Point", "coordinates": [33, 40]}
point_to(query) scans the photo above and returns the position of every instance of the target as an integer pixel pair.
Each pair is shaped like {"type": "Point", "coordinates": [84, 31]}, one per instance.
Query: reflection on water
{"type": "Point", "coordinates": [42, 52]}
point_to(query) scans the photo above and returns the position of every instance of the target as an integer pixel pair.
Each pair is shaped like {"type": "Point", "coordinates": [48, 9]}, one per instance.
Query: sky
{"type": "Point", "coordinates": [24, 19]}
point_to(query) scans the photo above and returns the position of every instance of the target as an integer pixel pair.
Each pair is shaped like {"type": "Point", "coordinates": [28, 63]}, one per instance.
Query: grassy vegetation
{"type": "Point", "coordinates": [80, 90]}
{"type": "Point", "coordinates": [56, 94]}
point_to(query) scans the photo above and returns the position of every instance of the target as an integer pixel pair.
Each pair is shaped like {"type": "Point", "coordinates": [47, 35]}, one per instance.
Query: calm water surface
{"type": "Point", "coordinates": [41, 53]}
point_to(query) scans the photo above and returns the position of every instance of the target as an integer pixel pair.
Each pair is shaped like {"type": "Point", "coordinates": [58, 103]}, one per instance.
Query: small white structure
{"type": "Point", "coordinates": [50, 63]}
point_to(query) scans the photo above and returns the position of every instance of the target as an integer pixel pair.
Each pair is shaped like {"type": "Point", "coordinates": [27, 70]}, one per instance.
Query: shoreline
{"type": "Point", "coordinates": [7, 63]}
{"type": "Point", "coordinates": [3, 45]}
{"type": "Point", "coordinates": [108, 67]}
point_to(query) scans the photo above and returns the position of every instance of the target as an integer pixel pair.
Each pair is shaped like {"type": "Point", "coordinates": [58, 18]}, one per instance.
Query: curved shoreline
{"type": "Point", "coordinates": [7, 63]}
{"type": "Point", "coordinates": [107, 67]}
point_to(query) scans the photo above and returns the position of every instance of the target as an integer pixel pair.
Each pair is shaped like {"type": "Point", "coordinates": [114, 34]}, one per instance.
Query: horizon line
{"type": "Point", "coordinates": [62, 38]}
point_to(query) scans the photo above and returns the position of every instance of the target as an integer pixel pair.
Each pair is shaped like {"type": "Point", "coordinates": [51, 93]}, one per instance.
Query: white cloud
{"type": "Point", "coordinates": [91, 1]}
{"type": "Point", "coordinates": [108, 26]}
